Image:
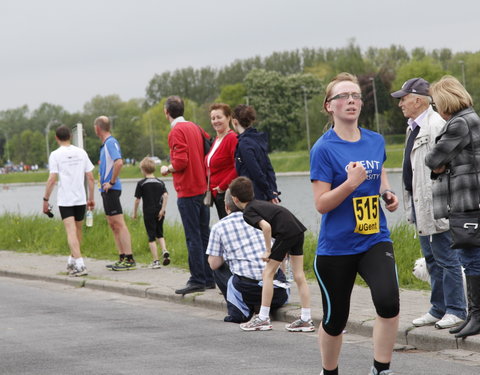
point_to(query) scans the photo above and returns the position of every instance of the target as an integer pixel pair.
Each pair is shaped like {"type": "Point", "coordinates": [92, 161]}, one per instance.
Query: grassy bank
{"type": "Point", "coordinates": [294, 161]}
{"type": "Point", "coordinates": [38, 234]}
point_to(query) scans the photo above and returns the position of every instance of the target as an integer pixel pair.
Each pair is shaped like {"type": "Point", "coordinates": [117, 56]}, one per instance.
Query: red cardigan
{"type": "Point", "coordinates": [222, 164]}
{"type": "Point", "coordinates": [187, 157]}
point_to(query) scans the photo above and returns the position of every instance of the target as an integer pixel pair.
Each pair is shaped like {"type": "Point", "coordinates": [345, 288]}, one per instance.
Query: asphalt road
{"type": "Point", "coordinates": [50, 329]}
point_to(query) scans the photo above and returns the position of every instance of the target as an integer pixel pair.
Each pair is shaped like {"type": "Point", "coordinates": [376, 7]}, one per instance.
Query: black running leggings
{"type": "Point", "coordinates": [336, 277]}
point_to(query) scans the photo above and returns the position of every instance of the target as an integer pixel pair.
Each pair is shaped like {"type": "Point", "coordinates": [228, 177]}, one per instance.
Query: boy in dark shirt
{"type": "Point", "coordinates": [279, 223]}
{"type": "Point", "coordinates": [154, 194]}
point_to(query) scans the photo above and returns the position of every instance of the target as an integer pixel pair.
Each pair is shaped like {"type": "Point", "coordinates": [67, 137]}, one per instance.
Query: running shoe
{"type": "Point", "coordinates": [82, 271]}
{"type": "Point", "coordinates": [70, 267]}
{"type": "Point", "coordinates": [117, 263]}
{"type": "Point", "coordinates": [300, 325]}
{"type": "Point", "coordinates": [257, 324]}
{"type": "Point", "coordinates": [373, 371]}
{"type": "Point", "coordinates": [155, 265]}
{"type": "Point", "coordinates": [166, 258]}
{"type": "Point", "coordinates": [126, 265]}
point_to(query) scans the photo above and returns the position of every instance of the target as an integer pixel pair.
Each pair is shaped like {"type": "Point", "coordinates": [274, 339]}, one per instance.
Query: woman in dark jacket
{"type": "Point", "coordinates": [251, 157]}
{"type": "Point", "coordinates": [453, 154]}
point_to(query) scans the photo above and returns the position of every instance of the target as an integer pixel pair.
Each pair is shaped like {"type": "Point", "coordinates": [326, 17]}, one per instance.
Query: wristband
{"type": "Point", "coordinates": [45, 199]}
{"type": "Point", "coordinates": [111, 183]}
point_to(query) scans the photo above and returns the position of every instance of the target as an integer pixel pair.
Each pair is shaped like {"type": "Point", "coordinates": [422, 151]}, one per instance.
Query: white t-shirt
{"type": "Point", "coordinates": [71, 163]}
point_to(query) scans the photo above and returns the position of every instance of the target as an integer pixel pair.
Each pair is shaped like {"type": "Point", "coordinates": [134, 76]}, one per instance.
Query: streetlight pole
{"type": "Point", "coordinates": [463, 73]}
{"type": "Point", "coordinates": [375, 103]}
{"type": "Point", "coordinates": [152, 151]}
{"type": "Point", "coordinates": [307, 124]}
{"type": "Point", "coordinates": [6, 146]}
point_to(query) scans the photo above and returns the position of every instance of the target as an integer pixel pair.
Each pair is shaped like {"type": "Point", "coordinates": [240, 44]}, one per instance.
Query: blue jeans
{"type": "Point", "coordinates": [443, 264]}
{"type": "Point", "coordinates": [196, 218]}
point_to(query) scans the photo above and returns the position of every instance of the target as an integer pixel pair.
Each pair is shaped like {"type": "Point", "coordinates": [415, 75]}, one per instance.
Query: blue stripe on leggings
{"type": "Point", "coordinates": [327, 313]}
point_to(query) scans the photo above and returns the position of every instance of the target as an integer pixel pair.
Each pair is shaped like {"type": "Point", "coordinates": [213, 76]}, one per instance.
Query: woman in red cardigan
{"type": "Point", "coordinates": [220, 161]}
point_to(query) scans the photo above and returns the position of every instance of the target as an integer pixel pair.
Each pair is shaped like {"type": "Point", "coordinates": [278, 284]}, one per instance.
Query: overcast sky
{"type": "Point", "coordinates": [65, 52]}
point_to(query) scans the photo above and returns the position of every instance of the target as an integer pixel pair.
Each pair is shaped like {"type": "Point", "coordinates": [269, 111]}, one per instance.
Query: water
{"type": "Point", "coordinates": [297, 196]}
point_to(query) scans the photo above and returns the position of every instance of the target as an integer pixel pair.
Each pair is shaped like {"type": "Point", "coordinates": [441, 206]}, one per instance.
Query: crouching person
{"type": "Point", "coordinates": [235, 252]}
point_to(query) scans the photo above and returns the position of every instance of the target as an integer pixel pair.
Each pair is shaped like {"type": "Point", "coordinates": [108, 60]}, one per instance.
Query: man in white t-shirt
{"type": "Point", "coordinates": [71, 164]}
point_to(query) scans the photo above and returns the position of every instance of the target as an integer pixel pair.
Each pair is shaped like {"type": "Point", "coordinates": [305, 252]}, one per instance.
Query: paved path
{"type": "Point", "coordinates": [161, 284]}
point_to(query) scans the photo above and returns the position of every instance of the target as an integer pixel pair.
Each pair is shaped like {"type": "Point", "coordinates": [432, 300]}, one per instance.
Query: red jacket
{"type": "Point", "coordinates": [222, 164]}
{"type": "Point", "coordinates": [187, 157]}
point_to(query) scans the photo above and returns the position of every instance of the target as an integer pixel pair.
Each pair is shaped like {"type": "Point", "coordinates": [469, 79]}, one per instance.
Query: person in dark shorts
{"type": "Point", "coordinates": [70, 164]}
{"type": "Point", "coordinates": [155, 196]}
{"type": "Point", "coordinates": [348, 178]}
{"type": "Point", "coordinates": [279, 223]}
{"type": "Point", "coordinates": [111, 163]}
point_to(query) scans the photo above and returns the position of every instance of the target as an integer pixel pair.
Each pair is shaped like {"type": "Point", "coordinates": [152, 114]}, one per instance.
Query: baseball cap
{"type": "Point", "coordinates": [413, 86]}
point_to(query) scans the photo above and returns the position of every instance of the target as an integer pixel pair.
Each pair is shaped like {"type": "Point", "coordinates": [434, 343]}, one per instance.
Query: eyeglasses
{"type": "Point", "coordinates": [346, 95]}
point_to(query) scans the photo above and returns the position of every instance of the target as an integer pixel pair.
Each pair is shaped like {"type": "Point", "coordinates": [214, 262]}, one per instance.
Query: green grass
{"type": "Point", "coordinates": [41, 235]}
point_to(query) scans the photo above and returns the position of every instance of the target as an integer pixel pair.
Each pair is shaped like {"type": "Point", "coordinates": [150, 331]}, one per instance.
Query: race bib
{"type": "Point", "coordinates": [367, 215]}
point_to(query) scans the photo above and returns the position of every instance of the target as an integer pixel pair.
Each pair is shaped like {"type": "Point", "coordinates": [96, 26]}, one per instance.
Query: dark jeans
{"type": "Point", "coordinates": [246, 294]}
{"type": "Point", "coordinates": [196, 218]}
{"type": "Point", "coordinates": [219, 201]}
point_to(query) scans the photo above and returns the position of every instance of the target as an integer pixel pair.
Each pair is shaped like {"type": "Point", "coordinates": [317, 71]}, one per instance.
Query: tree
{"type": "Point", "coordinates": [28, 147]}
{"type": "Point", "coordinates": [277, 100]}
{"type": "Point", "coordinates": [233, 95]}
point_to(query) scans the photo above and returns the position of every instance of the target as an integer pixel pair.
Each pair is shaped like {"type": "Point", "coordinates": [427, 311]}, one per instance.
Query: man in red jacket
{"type": "Point", "coordinates": [188, 169]}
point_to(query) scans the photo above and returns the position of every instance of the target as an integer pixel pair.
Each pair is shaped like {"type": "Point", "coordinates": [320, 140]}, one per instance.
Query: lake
{"type": "Point", "coordinates": [297, 196]}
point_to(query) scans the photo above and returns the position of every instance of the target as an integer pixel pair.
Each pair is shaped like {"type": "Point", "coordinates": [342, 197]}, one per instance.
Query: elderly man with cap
{"type": "Point", "coordinates": [424, 124]}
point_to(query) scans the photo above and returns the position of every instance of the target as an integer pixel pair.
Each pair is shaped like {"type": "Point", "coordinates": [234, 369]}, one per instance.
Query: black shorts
{"type": "Point", "coordinates": [153, 226]}
{"type": "Point", "coordinates": [111, 202]}
{"type": "Point", "coordinates": [76, 211]}
{"type": "Point", "coordinates": [282, 247]}
{"type": "Point", "coordinates": [336, 277]}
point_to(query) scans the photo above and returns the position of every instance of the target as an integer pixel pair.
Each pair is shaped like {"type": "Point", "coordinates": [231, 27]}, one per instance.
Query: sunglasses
{"type": "Point", "coordinates": [345, 96]}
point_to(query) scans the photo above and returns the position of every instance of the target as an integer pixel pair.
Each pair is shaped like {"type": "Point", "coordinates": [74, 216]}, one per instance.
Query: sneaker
{"type": "Point", "coordinates": [116, 264]}
{"type": "Point", "coordinates": [166, 258]}
{"type": "Point", "coordinates": [125, 266]}
{"type": "Point", "coordinates": [257, 324]}
{"type": "Point", "coordinates": [82, 271]}
{"type": "Point", "coordinates": [70, 267]}
{"type": "Point", "coordinates": [154, 265]}
{"type": "Point", "coordinates": [448, 321]}
{"type": "Point", "coordinates": [374, 371]}
{"type": "Point", "coordinates": [425, 320]}
{"type": "Point", "coordinates": [300, 325]}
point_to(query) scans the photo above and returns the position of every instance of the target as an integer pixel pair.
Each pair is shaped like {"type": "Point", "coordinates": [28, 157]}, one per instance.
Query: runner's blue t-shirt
{"type": "Point", "coordinates": [329, 158]}
{"type": "Point", "coordinates": [109, 152]}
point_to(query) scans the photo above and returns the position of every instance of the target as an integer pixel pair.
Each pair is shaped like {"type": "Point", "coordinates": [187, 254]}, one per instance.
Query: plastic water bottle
{"type": "Point", "coordinates": [289, 272]}
{"type": "Point", "coordinates": [89, 218]}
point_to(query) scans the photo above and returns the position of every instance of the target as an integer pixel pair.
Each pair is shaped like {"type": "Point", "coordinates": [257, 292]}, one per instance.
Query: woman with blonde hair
{"type": "Point", "coordinates": [452, 159]}
{"type": "Point", "coordinates": [348, 178]}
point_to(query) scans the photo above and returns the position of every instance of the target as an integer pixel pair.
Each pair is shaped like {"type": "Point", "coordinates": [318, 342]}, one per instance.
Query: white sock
{"type": "Point", "coordinates": [79, 263]}
{"type": "Point", "coordinates": [71, 260]}
{"type": "Point", "coordinates": [306, 314]}
{"type": "Point", "coordinates": [264, 312]}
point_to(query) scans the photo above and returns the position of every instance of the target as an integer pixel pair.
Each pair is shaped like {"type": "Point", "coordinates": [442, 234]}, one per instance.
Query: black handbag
{"type": "Point", "coordinates": [465, 226]}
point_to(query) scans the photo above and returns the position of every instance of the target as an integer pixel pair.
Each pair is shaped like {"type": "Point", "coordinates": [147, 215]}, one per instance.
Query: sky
{"type": "Point", "coordinates": [66, 52]}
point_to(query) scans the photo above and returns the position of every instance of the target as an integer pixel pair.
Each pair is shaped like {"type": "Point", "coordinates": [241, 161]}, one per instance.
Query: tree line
{"type": "Point", "coordinates": [286, 88]}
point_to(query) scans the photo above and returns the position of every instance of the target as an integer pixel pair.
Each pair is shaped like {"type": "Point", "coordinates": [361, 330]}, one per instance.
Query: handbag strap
{"type": "Point", "coordinates": [474, 166]}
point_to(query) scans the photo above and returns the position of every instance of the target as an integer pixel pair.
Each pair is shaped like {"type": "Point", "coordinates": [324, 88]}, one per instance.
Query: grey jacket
{"type": "Point", "coordinates": [421, 182]}
{"type": "Point", "coordinates": [453, 149]}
